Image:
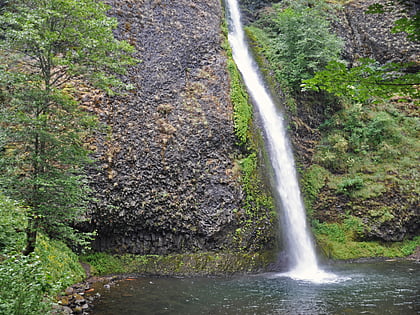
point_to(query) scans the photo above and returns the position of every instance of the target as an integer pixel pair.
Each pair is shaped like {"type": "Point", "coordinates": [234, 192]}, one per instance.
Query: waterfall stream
{"type": "Point", "coordinates": [303, 261]}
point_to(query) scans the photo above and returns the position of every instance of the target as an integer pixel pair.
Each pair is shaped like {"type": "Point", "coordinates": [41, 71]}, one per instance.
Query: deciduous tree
{"type": "Point", "coordinates": [45, 45]}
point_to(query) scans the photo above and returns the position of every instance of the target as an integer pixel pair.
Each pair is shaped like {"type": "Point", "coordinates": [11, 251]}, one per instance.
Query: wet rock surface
{"type": "Point", "coordinates": [165, 178]}
{"type": "Point", "coordinates": [80, 297]}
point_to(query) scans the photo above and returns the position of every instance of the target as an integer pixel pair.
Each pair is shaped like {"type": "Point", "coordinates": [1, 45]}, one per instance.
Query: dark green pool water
{"type": "Point", "coordinates": [362, 288]}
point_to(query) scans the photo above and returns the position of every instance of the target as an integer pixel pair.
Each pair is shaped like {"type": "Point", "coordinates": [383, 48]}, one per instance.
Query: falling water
{"type": "Point", "coordinates": [300, 247]}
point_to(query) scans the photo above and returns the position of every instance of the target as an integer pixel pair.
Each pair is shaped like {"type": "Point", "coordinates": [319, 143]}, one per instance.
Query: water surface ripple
{"type": "Point", "coordinates": [376, 288]}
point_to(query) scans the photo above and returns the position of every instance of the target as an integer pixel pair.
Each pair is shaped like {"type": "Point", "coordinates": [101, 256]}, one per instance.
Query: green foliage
{"type": "Point", "coordinates": [349, 230]}
{"type": "Point", "coordinates": [253, 186]}
{"type": "Point", "coordinates": [369, 147]}
{"type": "Point", "coordinates": [257, 217]}
{"type": "Point", "coordinates": [12, 224]}
{"type": "Point", "coordinates": [382, 214]}
{"type": "Point", "coordinates": [364, 135]}
{"type": "Point", "coordinates": [61, 40]}
{"type": "Point", "coordinates": [340, 241]}
{"type": "Point", "coordinates": [23, 284]}
{"type": "Point", "coordinates": [29, 282]}
{"type": "Point", "coordinates": [103, 263]}
{"type": "Point", "coordinates": [259, 213]}
{"type": "Point", "coordinates": [45, 45]}
{"type": "Point", "coordinates": [61, 265]}
{"type": "Point", "coordinates": [365, 82]}
{"type": "Point", "coordinates": [348, 185]}
{"type": "Point", "coordinates": [299, 40]}
{"type": "Point", "coordinates": [354, 250]}
{"type": "Point", "coordinates": [312, 181]}
{"type": "Point", "coordinates": [242, 108]}
{"type": "Point", "coordinates": [43, 158]}
{"type": "Point", "coordinates": [408, 24]}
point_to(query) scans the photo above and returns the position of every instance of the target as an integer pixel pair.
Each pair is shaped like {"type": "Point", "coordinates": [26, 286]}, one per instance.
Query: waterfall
{"type": "Point", "coordinates": [303, 261]}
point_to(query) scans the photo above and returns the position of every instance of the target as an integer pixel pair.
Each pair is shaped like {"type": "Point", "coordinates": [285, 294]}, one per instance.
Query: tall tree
{"type": "Point", "coordinates": [299, 41]}
{"type": "Point", "coordinates": [46, 45]}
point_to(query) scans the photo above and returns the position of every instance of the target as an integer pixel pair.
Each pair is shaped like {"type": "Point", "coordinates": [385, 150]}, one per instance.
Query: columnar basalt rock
{"type": "Point", "coordinates": [165, 177]}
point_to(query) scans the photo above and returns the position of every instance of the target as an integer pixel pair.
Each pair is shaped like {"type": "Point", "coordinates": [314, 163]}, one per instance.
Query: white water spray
{"type": "Point", "coordinates": [303, 259]}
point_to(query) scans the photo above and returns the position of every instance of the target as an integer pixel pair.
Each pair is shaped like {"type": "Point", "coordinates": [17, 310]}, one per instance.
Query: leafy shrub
{"type": "Point", "coordinates": [23, 285]}
{"type": "Point", "coordinates": [348, 185]}
{"type": "Point", "coordinates": [300, 40]}
{"type": "Point", "coordinates": [60, 263]}
{"type": "Point", "coordinates": [28, 282]}
{"type": "Point", "coordinates": [382, 127]}
{"type": "Point", "coordinates": [363, 132]}
{"type": "Point", "coordinates": [12, 224]}
{"type": "Point", "coordinates": [366, 82]}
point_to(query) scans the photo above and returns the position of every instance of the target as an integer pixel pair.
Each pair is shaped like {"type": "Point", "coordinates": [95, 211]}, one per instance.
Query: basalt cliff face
{"type": "Point", "coordinates": [166, 179]}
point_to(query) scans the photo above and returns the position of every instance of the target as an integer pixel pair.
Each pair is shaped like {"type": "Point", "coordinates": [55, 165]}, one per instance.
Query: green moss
{"type": "Point", "coordinates": [381, 214]}
{"type": "Point", "coordinates": [179, 264]}
{"type": "Point", "coordinates": [259, 41]}
{"type": "Point", "coordinates": [313, 179]}
{"type": "Point", "coordinates": [339, 241]}
{"type": "Point", "coordinates": [353, 250]}
{"type": "Point", "coordinates": [242, 108]}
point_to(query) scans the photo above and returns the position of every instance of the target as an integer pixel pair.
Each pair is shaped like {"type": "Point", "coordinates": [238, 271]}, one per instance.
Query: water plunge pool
{"type": "Point", "coordinates": [360, 288]}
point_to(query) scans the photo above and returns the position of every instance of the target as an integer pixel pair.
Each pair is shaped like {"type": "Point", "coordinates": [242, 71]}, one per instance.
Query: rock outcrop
{"type": "Point", "coordinates": [368, 35]}
{"type": "Point", "coordinates": [166, 179]}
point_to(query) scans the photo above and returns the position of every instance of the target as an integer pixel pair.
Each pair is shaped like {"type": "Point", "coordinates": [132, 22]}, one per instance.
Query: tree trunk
{"type": "Point", "coordinates": [31, 235]}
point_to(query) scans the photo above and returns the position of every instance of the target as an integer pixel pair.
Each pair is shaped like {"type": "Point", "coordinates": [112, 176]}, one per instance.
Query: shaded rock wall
{"type": "Point", "coordinates": [369, 35]}
{"type": "Point", "coordinates": [166, 179]}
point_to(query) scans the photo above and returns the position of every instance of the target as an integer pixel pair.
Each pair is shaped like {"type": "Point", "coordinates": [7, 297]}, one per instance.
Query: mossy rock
{"type": "Point", "coordinates": [207, 263]}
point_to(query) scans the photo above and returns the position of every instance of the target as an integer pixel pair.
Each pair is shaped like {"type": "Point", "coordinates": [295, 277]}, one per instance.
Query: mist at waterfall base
{"type": "Point", "coordinates": [300, 249]}
{"type": "Point", "coordinates": [378, 288]}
